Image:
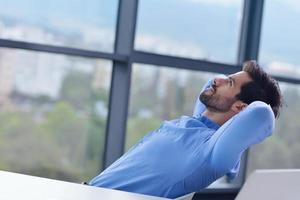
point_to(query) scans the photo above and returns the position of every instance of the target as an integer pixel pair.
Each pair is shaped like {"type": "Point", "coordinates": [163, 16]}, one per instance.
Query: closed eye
{"type": "Point", "coordinates": [231, 81]}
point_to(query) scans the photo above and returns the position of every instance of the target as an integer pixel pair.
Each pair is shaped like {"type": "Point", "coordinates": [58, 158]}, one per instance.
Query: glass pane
{"type": "Point", "coordinates": [87, 24]}
{"type": "Point", "coordinates": [206, 29]}
{"type": "Point", "coordinates": [53, 111]}
{"type": "Point", "coordinates": [280, 40]}
{"type": "Point", "coordinates": [282, 149]}
{"type": "Point", "coordinates": [161, 93]}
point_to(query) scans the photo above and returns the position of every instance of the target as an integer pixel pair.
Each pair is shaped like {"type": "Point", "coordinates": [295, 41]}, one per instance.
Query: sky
{"type": "Point", "coordinates": [208, 28]}
{"type": "Point", "coordinates": [97, 12]}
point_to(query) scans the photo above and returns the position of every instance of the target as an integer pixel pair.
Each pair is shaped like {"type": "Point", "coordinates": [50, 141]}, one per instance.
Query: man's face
{"type": "Point", "coordinates": [222, 94]}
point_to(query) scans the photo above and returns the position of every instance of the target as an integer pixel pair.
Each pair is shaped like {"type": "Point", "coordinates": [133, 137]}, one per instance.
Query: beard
{"type": "Point", "coordinates": [214, 102]}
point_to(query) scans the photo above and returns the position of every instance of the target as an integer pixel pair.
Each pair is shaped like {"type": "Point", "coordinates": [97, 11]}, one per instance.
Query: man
{"type": "Point", "coordinates": [187, 154]}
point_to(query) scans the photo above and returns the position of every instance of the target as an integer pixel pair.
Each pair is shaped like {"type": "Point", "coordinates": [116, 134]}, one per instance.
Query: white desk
{"type": "Point", "coordinates": [24, 187]}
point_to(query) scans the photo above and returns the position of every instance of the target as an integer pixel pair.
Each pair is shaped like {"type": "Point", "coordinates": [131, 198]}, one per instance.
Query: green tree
{"type": "Point", "coordinates": [76, 89]}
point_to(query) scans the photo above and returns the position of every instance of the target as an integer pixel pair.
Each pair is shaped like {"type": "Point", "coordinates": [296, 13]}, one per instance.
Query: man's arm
{"type": "Point", "coordinates": [249, 127]}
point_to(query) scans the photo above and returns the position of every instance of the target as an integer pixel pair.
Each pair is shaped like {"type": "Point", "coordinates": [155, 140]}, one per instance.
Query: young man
{"type": "Point", "coordinates": [187, 154]}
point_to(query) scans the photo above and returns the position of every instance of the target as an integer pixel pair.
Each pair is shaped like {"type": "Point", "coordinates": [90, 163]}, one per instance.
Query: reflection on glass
{"type": "Point", "coordinates": [74, 23]}
{"type": "Point", "coordinates": [53, 111]}
{"type": "Point", "coordinates": [282, 149]}
{"type": "Point", "coordinates": [161, 93]}
{"type": "Point", "coordinates": [206, 29]}
{"type": "Point", "coordinates": [279, 52]}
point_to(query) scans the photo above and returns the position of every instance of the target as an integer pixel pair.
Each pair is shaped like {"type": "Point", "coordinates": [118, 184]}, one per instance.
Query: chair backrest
{"type": "Point", "coordinates": [271, 184]}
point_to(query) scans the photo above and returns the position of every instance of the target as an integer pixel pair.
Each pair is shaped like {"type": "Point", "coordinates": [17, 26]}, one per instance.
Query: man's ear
{"type": "Point", "coordinates": [238, 106]}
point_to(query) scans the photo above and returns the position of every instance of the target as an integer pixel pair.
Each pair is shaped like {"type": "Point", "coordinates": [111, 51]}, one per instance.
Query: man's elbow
{"type": "Point", "coordinates": [260, 114]}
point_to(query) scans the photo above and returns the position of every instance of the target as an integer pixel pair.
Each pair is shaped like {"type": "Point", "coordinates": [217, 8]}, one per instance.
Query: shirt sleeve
{"type": "Point", "coordinates": [199, 107]}
{"type": "Point", "coordinates": [249, 127]}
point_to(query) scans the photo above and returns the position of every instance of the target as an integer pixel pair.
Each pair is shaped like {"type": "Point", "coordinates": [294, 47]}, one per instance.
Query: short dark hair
{"type": "Point", "coordinates": [262, 87]}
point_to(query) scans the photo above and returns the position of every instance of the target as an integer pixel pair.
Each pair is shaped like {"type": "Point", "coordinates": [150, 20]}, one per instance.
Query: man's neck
{"type": "Point", "coordinates": [217, 117]}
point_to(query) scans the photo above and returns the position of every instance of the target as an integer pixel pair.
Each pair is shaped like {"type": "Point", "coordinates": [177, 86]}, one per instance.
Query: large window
{"type": "Point", "coordinates": [206, 29]}
{"type": "Point", "coordinates": [280, 48]}
{"type": "Point", "coordinates": [53, 111]}
{"type": "Point", "coordinates": [87, 24]}
{"type": "Point", "coordinates": [53, 107]}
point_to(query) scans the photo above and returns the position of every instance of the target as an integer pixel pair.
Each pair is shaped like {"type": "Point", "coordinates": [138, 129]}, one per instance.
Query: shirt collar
{"type": "Point", "coordinates": [209, 123]}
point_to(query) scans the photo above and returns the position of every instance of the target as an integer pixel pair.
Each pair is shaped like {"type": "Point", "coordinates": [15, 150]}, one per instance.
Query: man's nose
{"type": "Point", "coordinates": [220, 81]}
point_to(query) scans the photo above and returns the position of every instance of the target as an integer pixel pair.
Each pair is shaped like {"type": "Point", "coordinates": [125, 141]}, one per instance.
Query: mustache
{"type": "Point", "coordinates": [214, 87]}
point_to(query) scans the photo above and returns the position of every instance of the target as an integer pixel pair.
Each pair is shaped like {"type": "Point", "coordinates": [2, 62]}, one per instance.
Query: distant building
{"type": "Point", "coordinates": [7, 73]}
